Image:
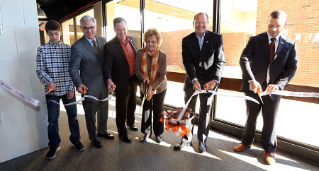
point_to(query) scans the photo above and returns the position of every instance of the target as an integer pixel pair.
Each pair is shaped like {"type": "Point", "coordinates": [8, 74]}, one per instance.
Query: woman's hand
{"type": "Point", "coordinates": [145, 80]}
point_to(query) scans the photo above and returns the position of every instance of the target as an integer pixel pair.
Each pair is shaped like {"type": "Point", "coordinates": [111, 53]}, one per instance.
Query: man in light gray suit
{"type": "Point", "coordinates": [87, 55]}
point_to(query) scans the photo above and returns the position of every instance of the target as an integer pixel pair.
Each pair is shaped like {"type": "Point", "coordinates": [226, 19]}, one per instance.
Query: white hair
{"type": "Point", "coordinates": [87, 17]}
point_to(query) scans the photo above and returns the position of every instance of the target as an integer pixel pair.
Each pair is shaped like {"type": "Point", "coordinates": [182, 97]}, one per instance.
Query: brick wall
{"type": "Point", "coordinates": [302, 19]}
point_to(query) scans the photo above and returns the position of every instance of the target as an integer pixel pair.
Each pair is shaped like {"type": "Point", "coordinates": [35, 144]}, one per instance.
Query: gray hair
{"type": "Point", "coordinates": [87, 17]}
{"type": "Point", "coordinates": [118, 20]}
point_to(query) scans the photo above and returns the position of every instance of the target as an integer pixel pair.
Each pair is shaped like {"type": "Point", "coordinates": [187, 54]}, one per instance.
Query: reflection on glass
{"type": "Point", "coordinates": [68, 32]}
{"type": "Point", "coordinates": [238, 23]}
{"type": "Point", "coordinates": [174, 19]}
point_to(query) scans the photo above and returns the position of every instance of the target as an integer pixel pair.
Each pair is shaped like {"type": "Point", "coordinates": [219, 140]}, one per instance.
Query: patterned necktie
{"type": "Point", "coordinates": [272, 48]}
{"type": "Point", "coordinates": [96, 48]}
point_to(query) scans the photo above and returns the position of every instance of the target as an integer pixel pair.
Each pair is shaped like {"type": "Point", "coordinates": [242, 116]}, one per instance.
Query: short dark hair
{"type": "Point", "coordinates": [201, 13]}
{"type": "Point", "coordinates": [277, 14]}
{"type": "Point", "coordinates": [52, 25]}
{"type": "Point", "coordinates": [118, 20]}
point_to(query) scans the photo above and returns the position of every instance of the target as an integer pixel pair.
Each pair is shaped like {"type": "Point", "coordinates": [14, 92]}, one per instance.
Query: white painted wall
{"type": "Point", "coordinates": [22, 127]}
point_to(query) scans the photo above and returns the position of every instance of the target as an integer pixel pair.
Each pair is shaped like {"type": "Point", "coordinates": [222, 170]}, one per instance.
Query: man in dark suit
{"type": "Point", "coordinates": [118, 72]}
{"type": "Point", "coordinates": [204, 60]}
{"type": "Point", "coordinates": [268, 62]}
{"type": "Point", "coordinates": [87, 55]}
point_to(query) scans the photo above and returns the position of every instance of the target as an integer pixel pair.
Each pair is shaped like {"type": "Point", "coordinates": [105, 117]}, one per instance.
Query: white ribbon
{"type": "Point", "coordinates": [295, 94]}
{"type": "Point", "coordinates": [30, 100]}
{"type": "Point", "coordinates": [214, 93]}
{"type": "Point", "coordinates": [82, 99]}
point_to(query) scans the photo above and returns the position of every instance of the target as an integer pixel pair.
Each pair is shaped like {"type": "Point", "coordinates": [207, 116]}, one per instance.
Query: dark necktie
{"type": "Point", "coordinates": [272, 48]}
{"type": "Point", "coordinates": [96, 48]}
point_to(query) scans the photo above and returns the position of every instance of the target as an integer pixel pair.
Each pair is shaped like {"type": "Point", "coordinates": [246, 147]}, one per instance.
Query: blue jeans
{"type": "Point", "coordinates": [53, 116]}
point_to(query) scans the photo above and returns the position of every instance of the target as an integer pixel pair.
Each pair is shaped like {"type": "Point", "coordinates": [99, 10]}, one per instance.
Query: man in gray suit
{"type": "Point", "coordinates": [87, 56]}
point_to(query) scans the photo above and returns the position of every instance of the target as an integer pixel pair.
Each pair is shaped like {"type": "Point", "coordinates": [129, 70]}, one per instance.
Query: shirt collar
{"type": "Point", "coordinates": [200, 39]}
{"type": "Point", "coordinates": [53, 44]}
{"type": "Point", "coordinates": [127, 40]}
{"type": "Point", "coordinates": [90, 40]}
{"type": "Point", "coordinates": [277, 37]}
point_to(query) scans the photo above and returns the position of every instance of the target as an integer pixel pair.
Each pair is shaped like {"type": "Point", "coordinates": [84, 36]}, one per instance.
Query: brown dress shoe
{"type": "Point", "coordinates": [241, 147]}
{"type": "Point", "coordinates": [269, 158]}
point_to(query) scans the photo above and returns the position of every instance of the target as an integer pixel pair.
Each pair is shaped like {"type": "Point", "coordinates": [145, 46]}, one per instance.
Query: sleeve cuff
{"type": "Point", "coordinates": [194, 80]}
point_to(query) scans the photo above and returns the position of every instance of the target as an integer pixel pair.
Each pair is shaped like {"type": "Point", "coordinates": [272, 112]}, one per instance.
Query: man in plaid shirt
{"type": "Point", "coordinates": [52, 69]}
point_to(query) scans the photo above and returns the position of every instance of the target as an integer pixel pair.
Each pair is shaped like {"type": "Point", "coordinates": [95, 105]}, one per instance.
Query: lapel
{"type": "Point", "coordinates": [100, 44]}
{"type": "Point", "coordinates": [265, 41]}
{"type": "Point", "coordinates": [205, 44]}
{"type": "Point", "coordinates": [119, 48]}
{"type": "Point", "coordinates": [88, 45]}
{"type": "Point", "coordinates": [196, 44]}
{"type": "Point", "coordinates": [132, 43]}
{"type": "Point", "coordinates": [281, 44]}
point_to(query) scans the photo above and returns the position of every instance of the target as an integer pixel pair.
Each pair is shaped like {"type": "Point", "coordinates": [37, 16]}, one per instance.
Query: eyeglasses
{"type": "Point", "coordinates": [198, 23]}
{"type": "Point", "coordinates": [153, 42]}
{"type": "Point", "coordinates": [88, 28]}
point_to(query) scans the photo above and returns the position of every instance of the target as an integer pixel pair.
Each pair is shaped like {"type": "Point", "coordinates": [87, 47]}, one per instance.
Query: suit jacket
{"type": "Point", "coordinates": [85, 59]}
{"type": "Point", "coordinates": [206, 64]}
{"type": "Point", "coordinates": [160, 83]}
{"type": "Point", "coordinates": [115, 65]}
{"type": "Point", "coordinates": [255, 62]}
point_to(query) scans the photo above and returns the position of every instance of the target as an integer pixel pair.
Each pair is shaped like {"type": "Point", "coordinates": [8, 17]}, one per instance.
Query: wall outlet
{"type": "Point", "coordinates": [1, 30]}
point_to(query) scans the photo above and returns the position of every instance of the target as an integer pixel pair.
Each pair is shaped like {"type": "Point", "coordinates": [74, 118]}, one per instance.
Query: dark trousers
{"type": "Point", "coordinates": [204, 116]}
{"type": "Point", "coordinates": [53, 117]}
{"type": "Point", "coordinates": [156, 104]}
{"type": "Point", "coordinates": [269, 113]}
{"type": "Point", "coordinates": [125, 107]}
{"type": "Point", "coordinates": [93, 107]}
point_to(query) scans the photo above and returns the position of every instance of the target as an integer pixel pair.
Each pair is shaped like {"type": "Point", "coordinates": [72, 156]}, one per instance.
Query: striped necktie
{"type": "Point", "coordinates": [96, 48]}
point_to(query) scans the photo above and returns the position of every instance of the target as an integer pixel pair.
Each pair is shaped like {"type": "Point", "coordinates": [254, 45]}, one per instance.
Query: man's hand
{"type": "Point", "coordinates": [110, 85]}
{"type": "Point", "coordinates": [271, 88]}
{"type": "Point", "coordinates": [51, 86]}
{"type": "Point", "coordinates": [145, 79]}
{"type": "Point", "coordinates": [81, 88]}
{"type": "Point", "coordinates": [211, 84]}
{"type": "Point", "coordinates": [254, 85]}
{"type": "Point", "coordinates": [196, 86]}
{"type": "Point", "coordinates": [70, 94]}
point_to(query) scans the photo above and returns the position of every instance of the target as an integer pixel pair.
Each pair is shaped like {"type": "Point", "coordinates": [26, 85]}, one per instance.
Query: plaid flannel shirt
{"type": "Point", "coordinates": [53, 66]}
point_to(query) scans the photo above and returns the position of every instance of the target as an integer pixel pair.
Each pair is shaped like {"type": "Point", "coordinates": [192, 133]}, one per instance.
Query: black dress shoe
{"type": "Point", "coordinates": [125, 138]}
{"type": "Point", "coordinates": [145, 138]}
{"type": "Point", "coordinates": [202, 147]}
{"type": "Point", "coordinates": [106, 135]}
{"type": "Point", "coordinates": [159, 139]}
{"type": "Point", "coordinates": [181, 145]}
{"type": "Point", "coordinates": [133, 128]}
{"type": "Point", "coordinates": [97, 144]}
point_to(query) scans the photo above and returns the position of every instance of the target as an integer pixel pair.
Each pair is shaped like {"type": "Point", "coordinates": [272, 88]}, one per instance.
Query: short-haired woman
{"type": "Point", "coordinates": [150, 68]}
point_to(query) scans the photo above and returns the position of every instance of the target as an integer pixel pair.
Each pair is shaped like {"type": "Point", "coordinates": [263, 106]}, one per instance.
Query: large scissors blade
{"type": "Point", "coordinates": [144, 97]}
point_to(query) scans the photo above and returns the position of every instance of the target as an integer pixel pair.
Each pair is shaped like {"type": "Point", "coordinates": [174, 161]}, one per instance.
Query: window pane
{"type": "Point", "coordinates": [130, 11]}
{"type": "Point", "coordinates": [68, 32]}
{"type": "Point", "coordinates": [238, 23]}
{"type": "Point", "coordinates": [241, 19]}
